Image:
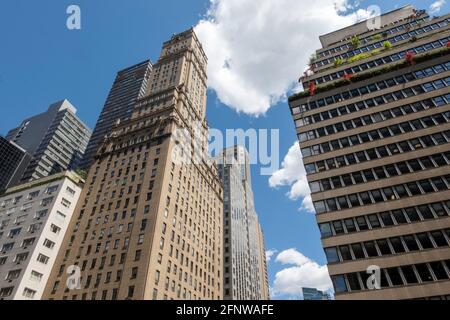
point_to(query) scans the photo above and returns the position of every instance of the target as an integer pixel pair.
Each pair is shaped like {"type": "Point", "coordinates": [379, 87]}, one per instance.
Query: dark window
{"type": "Point", "coordinates": [387, 219]}
{"type": "Point", "coordinates": [411, 243]}
{"type": "Point", "coordinates": [343, 202]}
{"type": "Point", "coordinates": [362, 224]}
{"type": "Point", "coordinates": [439, 270]}
{"type": "Point", "coordinates": [426, 213]}
{"type": "Point", "coordinates": [325, 230]}
{"type": "Point", "coordinates": [384, 247]}
{"type": "Point", "coordinates": [374, 222]}
{"type": "Point", "coordinates": [395, 276]}
{"type": "Point", "coordinates": [358, 251]}
{"type": "Point", "coordinates": [412, 214]}
{"type": "Point", "coordinates": [331, 203]}
{"type": "Point", "coordinates": [338, 227]}
{"type": "Point", "coordinates": [424, 272]}
{"type": "Point", "coordinates": [399, 216]}
{"type": "Point", "coordinates": [345, 253]}
{"type": "Point", "coordinates": [339, 284]}
{"type": "Point", "coordinates": [371, 249]}
{"type": "Point", "coordinates": [397, 245]}
{"type": "Point", "coordinates": [439, 239]}
{"type": "Point", "coordinates": [409, 274]}
{"type": "Point", "coordinates": [353, 281]}
{"type": "Point", "coordinates": [439, 209]}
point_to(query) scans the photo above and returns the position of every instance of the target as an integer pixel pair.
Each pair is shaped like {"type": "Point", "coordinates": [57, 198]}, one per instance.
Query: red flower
{"type": "Point", "coordinates": [348, 76]}
{"type": "Point", "coordinates": [312, 88]}
{"type": "Point", "coordinates": [410, 57]}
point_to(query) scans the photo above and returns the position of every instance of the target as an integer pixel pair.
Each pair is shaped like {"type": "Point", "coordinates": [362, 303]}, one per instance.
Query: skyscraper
{"type": "Point", "coordinates": [13, 161]}
{"type": "Point", "coordinates": [314, 294]}
{"type": "Point", "coordinates": [130, 85]}
{"type": "Point", "coordinates": [56, 140]}
{"type": "Point", "coordinates": [373, 127]}
{"type": "Point", "coordinates": [33, 220]}
{"type": "Point", "coordinates": [149, 226]}
{"type": "Point", "coordinates": [245, 269]}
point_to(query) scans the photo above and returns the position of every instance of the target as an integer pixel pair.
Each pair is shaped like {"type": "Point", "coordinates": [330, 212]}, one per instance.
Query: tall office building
{"type": "Point", "coordinates": [310, 294]}
{"type": "Point", "coordinates": [33, 220]}
{"type": "Point", "coordinates": [55, 139]}
{"type": "Point", "coordinates": [374, 133]}
{"type": "Point", "coordinates": [130, 85]}
{"type": "Point", "coordinates": [245, 269]}
{"type": "Point", "coordinates": [13, 161]}
{"type": "Point", "coordinates": [149, 226]}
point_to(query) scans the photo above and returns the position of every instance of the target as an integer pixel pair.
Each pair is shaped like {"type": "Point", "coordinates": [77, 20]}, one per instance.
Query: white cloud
{"type": "Point", "coordinates": [436, 6]}
{"type": "Point", "coordinates": [258, 48]}
{"type": "Point", "coordinates": [269, 254]}
{"type": "Point", "coordinates": [293, 174]}
{"type": "Point", "coordinates": [304, 272]}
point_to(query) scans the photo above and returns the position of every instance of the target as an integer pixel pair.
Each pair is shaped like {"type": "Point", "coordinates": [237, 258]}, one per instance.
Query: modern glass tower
{"type": "Point", "coordinates": [56, 140]}
{"type": "Point", "coordinates": [245, 270]}
{"type": "Point", "coordinates": [130, 85]}
{"type": "Point", "coordinates": [374, 131]}
{"type": "Point", "coordinates": [13, 161]}
{"type": "Point", "coordinates": [149, 226]}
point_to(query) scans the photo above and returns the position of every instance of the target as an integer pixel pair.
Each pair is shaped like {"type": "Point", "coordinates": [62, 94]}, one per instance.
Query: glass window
{"type": "Point", "coordinates": [387, 219]}
{"type": "Point", "coordinates": [339, 284]}
{"type": "Point", "coordinates": [412, 214]}
{"type": "Point", "coordinates": [411, 243]}
{"type": "Point", "coordinates": [409, 274]}
{"type": "Point", "coordinates": [320, 206]}
{"type": "Point", "coordinates": [325, 230]}
{"type": "Point", "coordinates": [399, 216]}
{"type": "Point", "coordinates": [353, 282]}
{"type": "Point", "coordinates": [424, 272]}
{"type": "Point", "coordinates": [338, 227]}
{"type": "Point", "coordinates": [345, 253]}
{"type": "Point", "coordinates": [395, 276]}
{"type": "Point", "coordinates": [376, 195]}
{"type": "Point", "coordinates": [343, 204]}
{"type": "Point", "coordinates": [439, 209]}
{"type": "Point", "coordinates": [362, 224]}
{"type": "Point", "coordinates": [383, 245]}
{"type": "Point", "coordinates": [350, 225]}
{"type": "Point", "coordinates": [358, 251]}
{"type": "Point", "coordinates": [426, 212]}
{"type": "Point", "coordinates": [439, 239]}
{"type": "Point", "coordinates": [397, 245]}
{"type": "Point", "coordinates": [374, 222]}
{"type": "Point", "coordinates": [371, 249]}
{"type": "Point", "coordinates": [365, 197]}
{"type": "Point", "coordinates": [354, 201]}
{"type": "Point", "coordinates": [332, 255]}
{"type": "Point", "coordinates": [439, 270]}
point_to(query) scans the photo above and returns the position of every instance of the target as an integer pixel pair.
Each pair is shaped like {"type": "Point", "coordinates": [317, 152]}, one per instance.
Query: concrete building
{"type": "Point", "coordinates": [55, 139]}
{"type": "Point", "coordinates": [373, 127]}
{"type": "Point", "coordinates": [314, 294]}
{"type": "Point", "coordinates": [149, 226]}
{"type": "Point", "coordinates": [13, 162]}
{"type": "Point", "coordinates": [245, 269]}
{"type": "Point", "coordinates": [129, 86]}
{"type": "Point", "coordinates": [33, 220]}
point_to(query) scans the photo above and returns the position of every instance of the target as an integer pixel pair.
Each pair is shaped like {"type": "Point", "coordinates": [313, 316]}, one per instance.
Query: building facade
{"type": "Point", "coordinates": [373, 127]}
{"type": "Point", "coordinates": [13, 161]}
{"type": "Point", "coordinates": [148, 225]}
{"type": "Point", "coordinates": [33, 220]}
{"type": "Point", "coordinates": [130, 85]}
{"type": "Point", "coordinates": [55, 139]}
{"type": "Point", "coordinates": [245, 269]}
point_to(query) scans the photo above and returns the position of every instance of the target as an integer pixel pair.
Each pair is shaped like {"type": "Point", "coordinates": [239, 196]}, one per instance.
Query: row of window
{"type": "Point", "coordinates": [377, 134]}
{"type": "Point", "coordinates": [384, 247]}
{"type": "Point", "coordinates": [374, 87]}
{"type": "Point", "coordinates": [376, 117]}
{"type": "Point", "coordinates": [379, 44]}
{"type": "Point", "coordinates": [382, 172]}
{"type": "Point", "coordinates": [384, 60]}
{"type": "Point", "coordinates": [379, 152]}
{"type": "Point", "coordinates": [388, 32]}
{"type": "Point", "coordinates": [396, 192]}
{"type": "Point", "coordinates": [385, 219]}
{"type": "Point", "coordinates": [396, 276]}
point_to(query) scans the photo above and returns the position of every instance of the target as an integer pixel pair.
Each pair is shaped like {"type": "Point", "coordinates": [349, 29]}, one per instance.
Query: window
{"type": "Point", "coordinates": [66, 203]}
{"type": "Point", "coordinates": [411, 243]}
{"type": "Point", "coordinates": [371, 249]}
{"type": "Point", "coordinates": [60, 215]}
{"type": "Point", "coordinates": [13, 274]}
{"type": "Point", "coordinates": [49, 244]}
{"type": "Point", "coordinates": [358, 251]}
{"type": "Point", "coordinates": [362, 224]}
{"type": "Point", "coordinates": [51, 189]}
{"type": "Point", "coordinates": [350, 225]}
{"type": "Point", "coordinates": [55, 229]}
{"type": "Point", "coordinates": [43, 258]}
{"type": "Point", "coordinates": [339, 284]}
{"type": "Point", "coordinates": [45, 202]}
{"type": "Point", "coordinates": [338, 227]}
{"type": "Point", "coordinates": [397, 245]}
{"type": "Point", "coordinates": [395, 276]}
{"type": "Point", "coordinates": [439, 270]}
{"type": "Point", "coordinates": [439, 239]}
{"type": "Point", "coordinates": [353, 281]}
{"type": "Point", "coordinates": [425, 241]}
{"type": "Point", "coordinates": [36, 276]}
{"type": "Point", "coordinates": [345, 253]}
{"type": "Point", "coordinates": [332, 255]}
{"type": "Point", "coordinates": [325, 230]}
{"type": "Point", "coordinates": [424, 272]}
{"type": "Point", "coordinates": [409, 274]}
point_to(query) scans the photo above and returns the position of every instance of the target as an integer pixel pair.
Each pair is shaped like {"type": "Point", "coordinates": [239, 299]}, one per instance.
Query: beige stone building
{"type": "Point", "coordinates": [374, 131]}
{"type": "Point", "coordinates": [147, 225]}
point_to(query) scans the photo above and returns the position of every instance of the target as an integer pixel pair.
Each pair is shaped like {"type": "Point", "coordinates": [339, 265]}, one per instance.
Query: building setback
{"type": "Point", "coordinates": [245, 270]}
{"type": "Point", "coordinates": [55, 139]}
{"type": "Point", "coordinates": [33, 220]}
{"type": "Point", "coordinates": [13, 161]}
{"type": "Point", "coordinates": [314, 294]}
{"type": "Point", "coordinates": [130, 85]}
{"type": "Point", "coordinates": [149, 226]}
{"type": "Point", "coordinates": [374, 132]}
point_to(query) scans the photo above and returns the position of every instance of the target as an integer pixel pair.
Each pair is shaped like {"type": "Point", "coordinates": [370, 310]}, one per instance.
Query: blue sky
{"type": "Point", "coordinates": [43, 62]}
